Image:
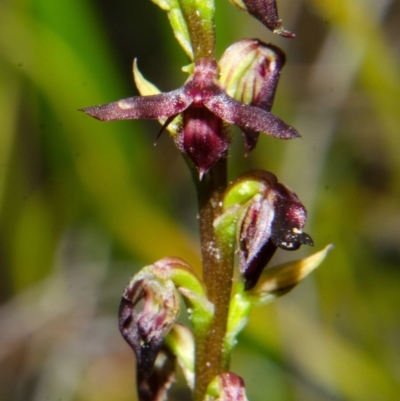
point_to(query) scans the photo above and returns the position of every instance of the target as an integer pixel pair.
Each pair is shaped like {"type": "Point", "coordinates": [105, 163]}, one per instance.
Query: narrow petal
{"type": "Point", "coordinates": [180, 341]}
{"type": "Point", "coordinates": [267, 12]}
{"type": "Point", "coordinates": [278, 280]}
{"type": "Point", "coordinates": [250, 139]}
{"type": "Point", "coordinates": [248, 117]}
{"type": "Point", "coordinates": [148, 107]}
{"type": "Point", "coordinates": [145, 87]}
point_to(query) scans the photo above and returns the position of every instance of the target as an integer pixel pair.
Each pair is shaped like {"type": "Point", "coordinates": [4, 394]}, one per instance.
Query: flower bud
{"type": "Point", "coordinates": [149, 307]}
{"type": "Point", "coordinates": [271, 217]}
{"type": "Point", "coordinates": [250, 71]}
{"type": "Point", "coordinates": [226, 387]}
{"type": "Point", "coordinates": [266, 12]}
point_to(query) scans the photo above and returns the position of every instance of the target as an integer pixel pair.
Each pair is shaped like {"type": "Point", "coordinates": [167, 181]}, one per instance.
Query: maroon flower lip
{"type": "Point", "coordinates": [204, 106]}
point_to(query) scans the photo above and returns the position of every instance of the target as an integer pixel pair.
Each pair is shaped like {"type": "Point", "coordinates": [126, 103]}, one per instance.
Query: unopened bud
{"type": "Point", "coordinates": [226, 387]}
{"type": "Point", "coordinates": [250, 71]}
{"type": "Point", "coordinates": [149, 307]}
{"type": "Point", "coordinates": [271, 216]}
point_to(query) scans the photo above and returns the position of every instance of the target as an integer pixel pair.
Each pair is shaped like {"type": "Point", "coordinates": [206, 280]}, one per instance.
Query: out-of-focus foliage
{"type": "Point", "coordinates": [84, 204]}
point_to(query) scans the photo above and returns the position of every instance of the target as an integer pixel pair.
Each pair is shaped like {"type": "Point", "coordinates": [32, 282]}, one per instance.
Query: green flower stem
{"type": "Point", "coordinates": [199, 16]}
{"type": "Point", "coordinates": [217, 275]}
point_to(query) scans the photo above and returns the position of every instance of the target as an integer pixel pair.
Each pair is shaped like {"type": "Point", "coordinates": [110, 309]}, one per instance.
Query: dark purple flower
{"type": "Point", "coordinates": [205, 107]}
{"type": "Point", "coordinates": [273, 218]}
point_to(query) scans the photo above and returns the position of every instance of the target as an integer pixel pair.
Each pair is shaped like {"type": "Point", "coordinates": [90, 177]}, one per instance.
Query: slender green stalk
{"type": "Point", "coordinates": [199, 16]}
{"type": "Point", "coordinates": [217, 276]}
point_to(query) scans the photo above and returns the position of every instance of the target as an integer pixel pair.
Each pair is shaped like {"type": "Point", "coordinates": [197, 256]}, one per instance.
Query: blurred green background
{"type": "Point", "coordinates": [84, 204]}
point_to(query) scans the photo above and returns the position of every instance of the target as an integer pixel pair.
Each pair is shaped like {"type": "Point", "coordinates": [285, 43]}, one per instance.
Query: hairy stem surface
{"type": "Point", "coordinates": [217, 275]}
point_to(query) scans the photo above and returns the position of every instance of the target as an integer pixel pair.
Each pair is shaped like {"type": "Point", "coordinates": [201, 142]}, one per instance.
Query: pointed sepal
{"type": "Point", "coordinates": [180, 341]}
{"type": "Point", "coordinates": [266, 12]}
{"type": "Point", "coordinates": [163, 105]}
{"type": "Point", "coordinates": [274, 282]}
{"type": "Point", "coordinates": [146, 88]}
{"type": "Point", "coordinates": [279, 280]}
{"type": "Point", "coordinates": [178, 23]}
